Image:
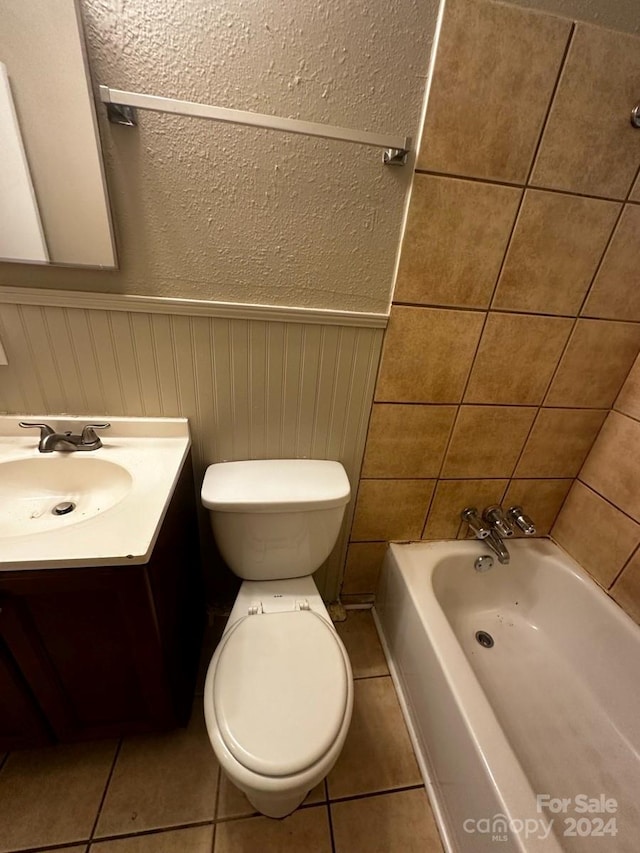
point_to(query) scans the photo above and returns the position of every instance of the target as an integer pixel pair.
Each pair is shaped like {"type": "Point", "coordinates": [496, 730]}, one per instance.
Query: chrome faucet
{"type": "Point", "coordinates": [485, 529]}
{"type": "Point", "coordinates": [494, 541]}
{"type": "Point", "coordinates": [497, 522]}
{"type": "Point", "coordinates": [66, 441]}
{"type": "Point", "coordinates": [494, 526]}
{"type": "Point", "coordinates": [470, 515]}
{"type": "Point", "coordinates": [516, 517]}
{"type": "Point", "coordinates": [500, 529]}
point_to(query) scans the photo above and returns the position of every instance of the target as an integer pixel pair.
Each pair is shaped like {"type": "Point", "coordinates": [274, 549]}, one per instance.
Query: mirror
{"type": "Point", "coordinates": [53, 199]}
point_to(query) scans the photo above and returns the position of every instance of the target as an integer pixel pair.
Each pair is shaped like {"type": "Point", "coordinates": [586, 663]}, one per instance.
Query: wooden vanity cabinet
{"type": "Point", "coordinates": [89, 652]}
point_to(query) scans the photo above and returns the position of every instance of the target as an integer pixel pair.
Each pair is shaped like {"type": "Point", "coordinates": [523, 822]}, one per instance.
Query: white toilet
{"type": "Point", "coordinates": [279, 689]}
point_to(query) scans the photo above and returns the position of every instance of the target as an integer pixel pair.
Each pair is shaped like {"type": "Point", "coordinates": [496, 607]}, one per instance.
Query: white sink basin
{"type": "Point", "coordinates": [111, 501]}
{"type": "Point", "coordinates": [34, 493]}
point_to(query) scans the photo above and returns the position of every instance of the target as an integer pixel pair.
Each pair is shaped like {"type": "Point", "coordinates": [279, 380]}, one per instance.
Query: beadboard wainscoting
{"type": "Point", "coordinates": [254, 383]}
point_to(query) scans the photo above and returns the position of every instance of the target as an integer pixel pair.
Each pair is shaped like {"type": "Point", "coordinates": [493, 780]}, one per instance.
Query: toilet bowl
{"type": "Point", "coordinates": [279, 689]}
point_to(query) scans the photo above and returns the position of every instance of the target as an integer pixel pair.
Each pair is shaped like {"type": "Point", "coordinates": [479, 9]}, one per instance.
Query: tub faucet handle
{"type": "Point", "coordinates": [470, 515]}
{"type": "Point", "coordinates": [517, 517]}
{"type": "Point", "coordinates": [495, 519]}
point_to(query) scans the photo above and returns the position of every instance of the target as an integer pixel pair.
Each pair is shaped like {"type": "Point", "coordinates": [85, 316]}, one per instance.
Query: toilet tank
{"type": "Point", "coordinates": [275, 518]}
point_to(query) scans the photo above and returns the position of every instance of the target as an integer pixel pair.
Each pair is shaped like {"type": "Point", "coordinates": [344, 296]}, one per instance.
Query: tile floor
{"type": "Point", "coordinates": [165, 793]}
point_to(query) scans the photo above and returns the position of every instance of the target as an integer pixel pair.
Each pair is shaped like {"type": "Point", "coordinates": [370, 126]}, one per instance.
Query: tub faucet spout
{"type": "Point", "coordinates": [496, 544]}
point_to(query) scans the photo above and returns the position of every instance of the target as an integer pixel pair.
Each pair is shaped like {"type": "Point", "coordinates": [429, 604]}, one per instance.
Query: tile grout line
{"type": "Point", "coordinates": [623, 202]}
{"type": "Point", "coordinates": [329, 815]}
{"type": "Point", "coordinates": [157, 830]}
{"type": "Point", "coordinates": [493, 406]}
{"type": "Point", "coordinates": [532, 164]}
{"type": "Point", "coordinates": [216, 806]}
{"type": "Point", "coordinates": [52, 848]}
{"type": "Point", "coordinates": [608, 500]}
{"type": "Point", "coordinates": [488, 310]}
{"type": "Point", "coordinates": [369, 794]}
{"type": "Point", "coordinates": [371, 677]}
{"type": "Point", "coordinates": [440, 306]}
{"type": "Point", "coordinates": [634, 552]}
{"type": "Point", "coordinates": [635, 418]}
{"type": "Point", "coordinates": [436, 480]}
{"type": "Point", "coordinates": [106, 789]}
{"type": "Point", "coordinates": [457, 176]}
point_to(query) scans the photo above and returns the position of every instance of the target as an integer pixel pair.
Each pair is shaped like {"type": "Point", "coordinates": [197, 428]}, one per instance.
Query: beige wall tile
{"type": "Point", "coordinates": [626, 590]}
{"type": "Point", "coordinates": [456, 235]}
{"type": "Point", "coordinates": [305, 829]}
{"type": "Point", "coordinates": [52, 796]}
{"type": "Point", "coordinates": [360, 638]}
{"type": "Point", "coordinates": [364, 560]}
{"type": "Point", "coordinates": [195, 839]}
{"type": "Point", "coordinates": [595, 533]}
{"type": "Point", "coordinates": [540, 499]}
{"type": "Point", "coordinates": [559, 442]}
{"type": "Point", "coordinates": [401, 821]}
{"type": "Point", "coordinates": [516, 358]}
{"type": "Point", "coordinates": [427, 354]}
{"type": "Point", "coordinates": [377, 755]}
{"type": "Point", "coordinates": [162, 780]}
{"type": "Point", "coordinates": [451, 497]}
{"type": "Point", "coordinates": [554, 252]}
{"type": "Point", "coordinates": [628, 400]}
{"type": "Point", "coordinates": [616, 291]}
{"type": "Point", "coordinates": [487, 441]}
{"type": "Point", "coordinates": [407, 440]}
{"type": "Point", "coordinates": [600, 78]}
{"type": "Point", "coordinates": [595, 364]}
{"type": "Point", "coordinates": [613, 466]}
{"type": "Point", "coordinates": [475, 122]}
{"type": "Point", "coordinates": [391, 509]}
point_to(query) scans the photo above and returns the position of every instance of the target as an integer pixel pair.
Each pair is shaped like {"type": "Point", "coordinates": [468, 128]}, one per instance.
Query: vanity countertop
{"type": "Point", "coordinates": [119, 493]}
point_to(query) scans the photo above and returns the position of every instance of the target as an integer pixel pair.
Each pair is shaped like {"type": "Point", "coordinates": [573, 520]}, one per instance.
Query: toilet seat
{"type": "Point", "coordinates": [280, 691]}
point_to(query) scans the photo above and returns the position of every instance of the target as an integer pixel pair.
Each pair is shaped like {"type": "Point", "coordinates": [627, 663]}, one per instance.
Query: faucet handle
{"type": "Point", "coordinates": [495, 519]}
{"type": "Point", "coordinates": [516, 516]}
{"type": "Point", "coordinates": [470, 515]}
{"type": "Point", "coordinates": [88, 435]}
{"type": "Point", "coordinates": [45, 429]}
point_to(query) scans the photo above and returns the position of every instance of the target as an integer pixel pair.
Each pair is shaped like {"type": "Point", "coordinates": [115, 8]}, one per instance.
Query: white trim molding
{"type": "Point", "coordinates": [188, 307]}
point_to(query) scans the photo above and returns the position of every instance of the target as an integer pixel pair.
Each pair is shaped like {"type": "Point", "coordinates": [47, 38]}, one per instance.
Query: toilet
{"type": "Point", "coordinates": [279, 689]}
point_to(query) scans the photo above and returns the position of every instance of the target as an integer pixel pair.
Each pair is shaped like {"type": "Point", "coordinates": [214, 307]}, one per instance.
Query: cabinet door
{"type": "Point", "coordinates": [87, 643]}
{"type": "Point", "coordinates": [21, 723]}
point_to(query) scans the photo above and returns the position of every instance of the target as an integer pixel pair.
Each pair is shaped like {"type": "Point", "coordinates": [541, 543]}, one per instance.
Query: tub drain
{"type": "Point", "coordinates": [485, 640]}
{"type": "Point", "coordinates": [63, 508]}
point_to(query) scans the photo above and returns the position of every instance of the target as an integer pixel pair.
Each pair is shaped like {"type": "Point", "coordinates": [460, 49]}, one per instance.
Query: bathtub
{"type": "Point", "coordinates": [532, 744]}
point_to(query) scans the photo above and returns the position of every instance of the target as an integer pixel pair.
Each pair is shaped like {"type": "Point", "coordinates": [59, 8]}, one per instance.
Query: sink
{"type": "Point", "coordinates": [32, 489]}
{"type": "Point", "coordinates": [87, 508]}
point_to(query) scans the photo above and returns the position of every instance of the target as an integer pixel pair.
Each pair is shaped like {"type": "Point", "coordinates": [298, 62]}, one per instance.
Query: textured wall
{"type": "Point", "coordinates": [516, 314]}
{"type": "Point", "coordinates": [240, 214]}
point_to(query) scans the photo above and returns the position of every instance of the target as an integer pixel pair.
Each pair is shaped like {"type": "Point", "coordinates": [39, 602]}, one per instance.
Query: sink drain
{"type": "Point", "coordinates": [485, 640]}
{"type": "Point", "coordinates": [63, 508]}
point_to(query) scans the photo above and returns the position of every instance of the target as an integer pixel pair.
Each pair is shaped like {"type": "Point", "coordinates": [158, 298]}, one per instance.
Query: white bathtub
{"type": "Point", "coordinates": [552, 709]}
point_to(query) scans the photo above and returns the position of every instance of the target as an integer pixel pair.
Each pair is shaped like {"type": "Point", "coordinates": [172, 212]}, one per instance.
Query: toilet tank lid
{"type": "Point", "coordinates": [275, 485]}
